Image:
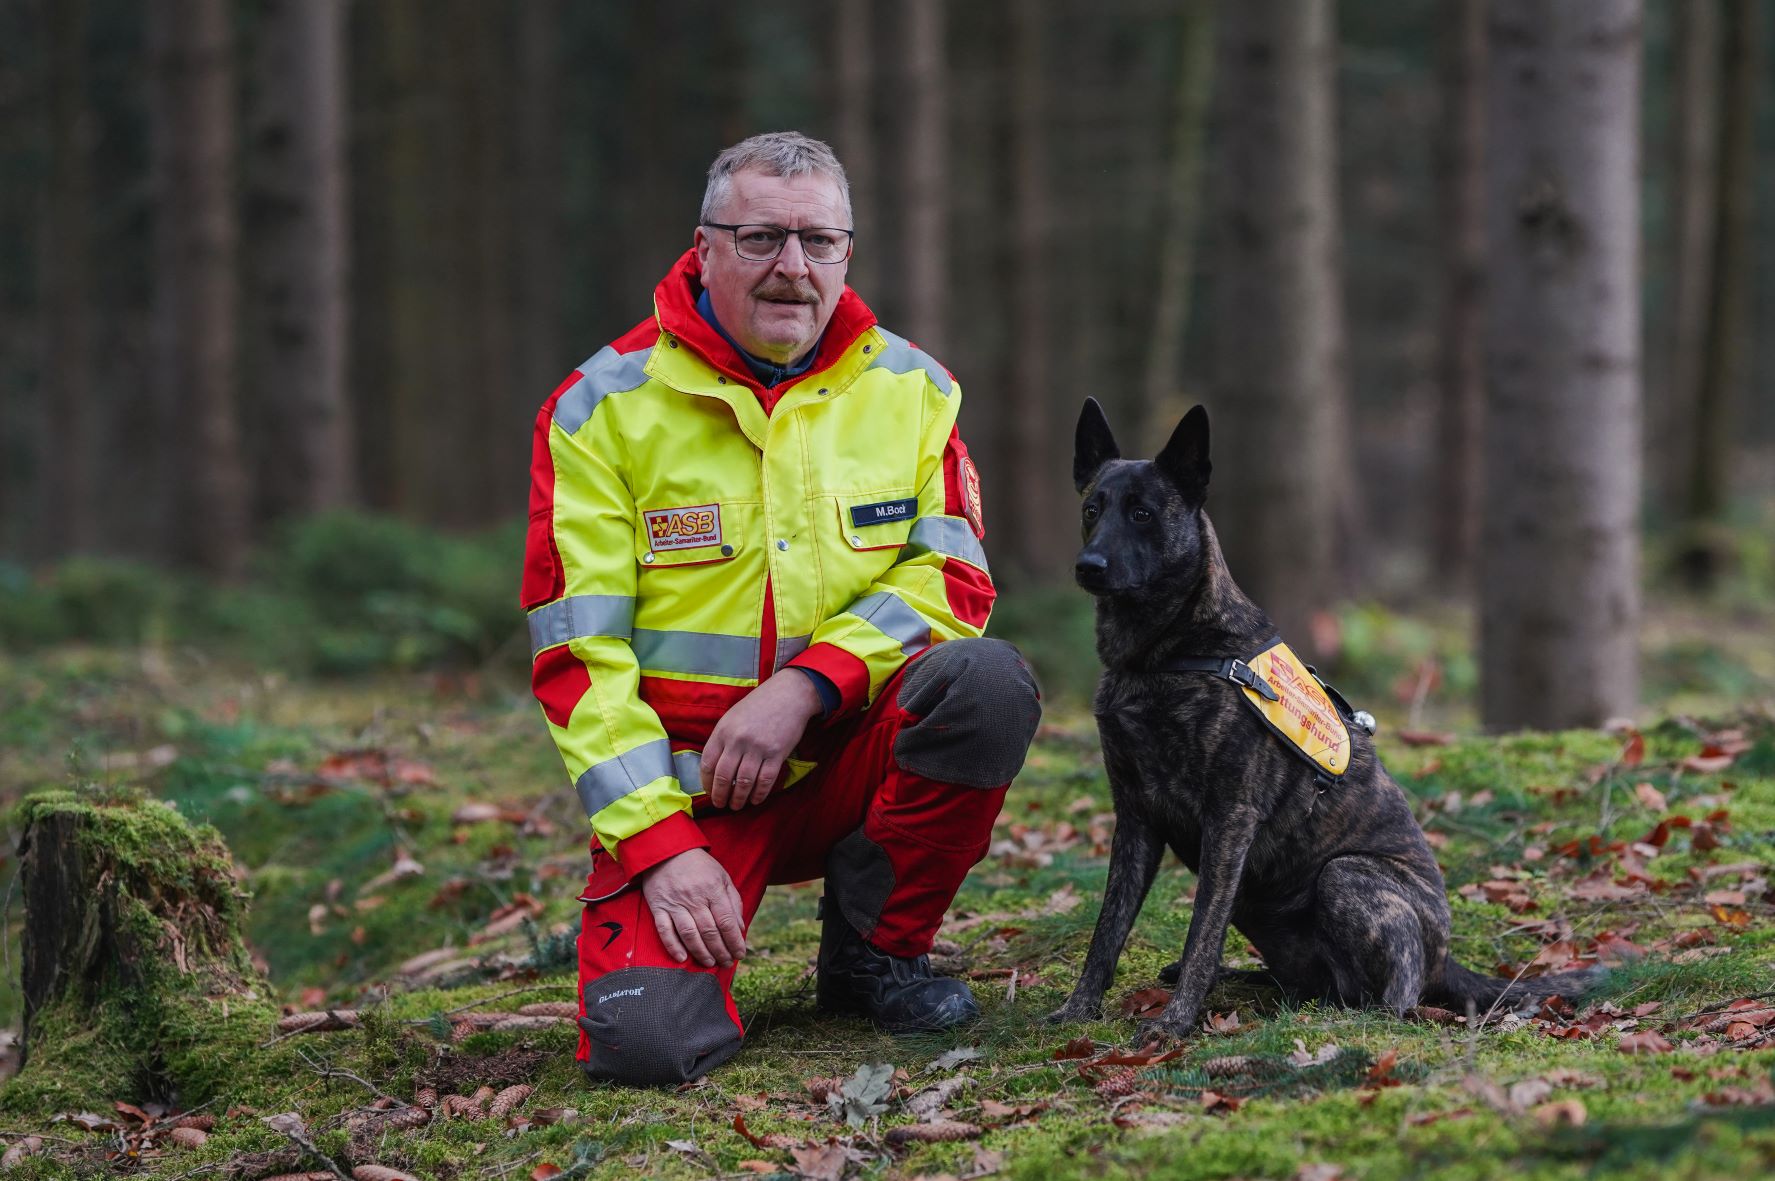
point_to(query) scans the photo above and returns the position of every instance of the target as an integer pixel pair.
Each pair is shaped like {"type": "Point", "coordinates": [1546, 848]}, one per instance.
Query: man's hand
{"type": "Point", "coordinates": [743, 758]}
{"type": "Point", "coordinates": [695, 909]}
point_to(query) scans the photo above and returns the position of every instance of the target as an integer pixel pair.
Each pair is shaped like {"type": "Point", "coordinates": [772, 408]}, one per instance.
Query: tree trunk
{"type": "Point", "coordinates": [1559, 588]}
{"type": "Point", "coordinates": [540, 213]}
{"type": "Point", "coordinates": [1460, 360]}
{"type": "Point", "coordinates": [1278, 402]}
{"type": "Point", "coordinates": [67, 471]}
{"type": "Point", "coordinates": [1694, 141]}
{"type": "Point", "coordinates": [299, 257]}
{"type": "Point", "coordinates": [926, 172]}
{"type": "Point", "coordinates": [132, 923]}
{"type": "Point", "coordinates": [1706, 547]}
{"type": "Point", "coordinates": [1181, 214]}
{"type": "Point", "coordinates": [192, 147]}
{"type": "Point", "coordinates": [1041, 546]}
{"type": "Point", "coordinates": [856, 144]}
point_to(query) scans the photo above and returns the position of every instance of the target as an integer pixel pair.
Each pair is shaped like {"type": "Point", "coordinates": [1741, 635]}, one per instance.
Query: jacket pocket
{"type": "Point", "coordinates": [692, 535]}
{"type": "Point", "coordinates": [877, 520]}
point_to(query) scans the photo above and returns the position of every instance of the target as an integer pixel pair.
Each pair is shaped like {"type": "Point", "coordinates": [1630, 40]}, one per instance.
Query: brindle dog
{"type": "Point", "coordinates": [1338, 890]}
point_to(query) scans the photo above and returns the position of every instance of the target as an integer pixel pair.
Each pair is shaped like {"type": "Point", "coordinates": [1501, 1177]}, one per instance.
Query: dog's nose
{"type": "Point", "coordinates": [1089, 565]}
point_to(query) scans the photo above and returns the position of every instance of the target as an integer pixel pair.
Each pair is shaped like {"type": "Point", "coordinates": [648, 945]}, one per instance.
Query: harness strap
{"type": "Point", "coordinates": [1230, 668]}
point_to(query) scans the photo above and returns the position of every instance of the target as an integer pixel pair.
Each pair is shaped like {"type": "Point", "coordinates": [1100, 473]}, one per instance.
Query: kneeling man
{"type": "Point", "coordinates": [756, 593]}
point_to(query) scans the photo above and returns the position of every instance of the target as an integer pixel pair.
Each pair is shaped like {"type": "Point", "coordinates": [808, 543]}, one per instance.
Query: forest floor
{"type": "Point", "coordinates": [376, 820]}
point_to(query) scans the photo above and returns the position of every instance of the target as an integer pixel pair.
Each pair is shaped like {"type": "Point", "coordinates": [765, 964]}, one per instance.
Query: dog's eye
{"type": "Point", "coordinates": [1140, 515]}
{"type": "Point", "coordinates": [1091, 513]}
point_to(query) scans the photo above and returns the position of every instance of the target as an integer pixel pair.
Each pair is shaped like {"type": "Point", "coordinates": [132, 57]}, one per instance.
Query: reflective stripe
{"type": "Point", "coordinates": [789, 647]}
{"type": "Point", "coordinates": [700, 653]}
{"type": "Point", "coordinates": [606, 372]}
{"type": "Point", "coordinates": [950, 536]}
{"type": "Point", "coordinates": [689, 766]}
{"type": "Point", "coordinates": [579, 616]}
{"type": "Point", "coordinates": [902, 356]}
{"type": "Point", "coordinates": [609, 781]}
{"type": "Point", "coordinates": [890, 614]}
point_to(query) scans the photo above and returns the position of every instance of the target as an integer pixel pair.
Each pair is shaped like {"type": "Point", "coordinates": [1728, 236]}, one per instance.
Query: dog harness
{"type": "Point", "coordinates": [1310, 717]}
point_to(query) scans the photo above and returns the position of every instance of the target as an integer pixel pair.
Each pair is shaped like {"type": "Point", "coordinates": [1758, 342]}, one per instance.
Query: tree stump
{"type": "Point", "coordinates": [131, 940]}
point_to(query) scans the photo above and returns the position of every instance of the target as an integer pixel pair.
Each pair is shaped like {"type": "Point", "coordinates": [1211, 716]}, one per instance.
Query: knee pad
{"type": "Point", "coordinates": [977, 707]}
{"type": "Point", "coordinates": [656, 1026]}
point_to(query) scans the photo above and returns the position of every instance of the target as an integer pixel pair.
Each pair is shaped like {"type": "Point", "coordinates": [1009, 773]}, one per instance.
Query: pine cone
{"type": "Point", "coordinates": [1116, 1083]}
{"type": "Point", "coordinates": [507, 1100]}
{"type": "Point", "coordinates": [188, 1137]}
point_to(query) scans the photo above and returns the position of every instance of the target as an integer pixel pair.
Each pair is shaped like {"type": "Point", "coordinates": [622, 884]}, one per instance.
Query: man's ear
{"type": "Point", "coordinates": [703, 243]}
{"type": "Point", "coordinates": [1185, 458]}
{"type": "Point", "coordinates": [1093, 445]}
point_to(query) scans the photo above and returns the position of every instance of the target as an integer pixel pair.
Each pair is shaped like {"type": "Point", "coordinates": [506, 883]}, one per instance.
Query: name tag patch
{"type": "Point", "coordinates": [884, 511]}
{"type": "Point", "coordinates": [683, 528]}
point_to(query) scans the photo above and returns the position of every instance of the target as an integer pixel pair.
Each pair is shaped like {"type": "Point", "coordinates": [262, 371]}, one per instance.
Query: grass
{"type": "Point", "coordinates": [319, 786]}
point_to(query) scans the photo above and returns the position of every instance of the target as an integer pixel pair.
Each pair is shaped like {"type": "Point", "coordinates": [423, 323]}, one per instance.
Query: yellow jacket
{"type": "Point", "coordinates": [685, 543]}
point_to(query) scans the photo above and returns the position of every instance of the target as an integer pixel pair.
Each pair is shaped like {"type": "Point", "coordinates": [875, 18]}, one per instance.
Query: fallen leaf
{"type": "Point", "coordinates": [1562, 1112]}
{"type": "Point", "coordinates": [1650, 797]}
{"type": "Point", "coordinates": [824, 1162]}
{"type": "Point", "coordinates": [1646, 1041]}
{"type": "Point", "coordinates": [1078, 1047]}
{"type": "Point", "coordinates": [1222, 1023]}
{"type": "Point", "coordinates": [1148, 1002]}
{"type": "Point", "coordinates": [1634, 752]}
{"type": "Point", "coordinates": [1529, 1092]}
{"type": "Point", "coordinates": [1213, 1102]}
{"type": "Point", "coordinates": [950, 1059]}
{"type": "Point", "coordinates": [1381, 1073]}
{"type": "Point", "coordinates": [544, 1172]}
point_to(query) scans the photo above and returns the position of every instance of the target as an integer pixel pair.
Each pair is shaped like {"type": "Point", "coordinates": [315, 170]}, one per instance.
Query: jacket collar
{"type": "Point", "coordinates": [674, 305]}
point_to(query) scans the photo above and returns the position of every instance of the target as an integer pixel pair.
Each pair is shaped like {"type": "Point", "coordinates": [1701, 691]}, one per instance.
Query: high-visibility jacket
{"type": "Point", "coordinates": [690, 535]}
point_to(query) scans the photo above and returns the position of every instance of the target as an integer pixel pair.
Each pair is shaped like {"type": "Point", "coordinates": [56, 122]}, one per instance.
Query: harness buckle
{"type": "Point", "coordinates": [1240, 673]}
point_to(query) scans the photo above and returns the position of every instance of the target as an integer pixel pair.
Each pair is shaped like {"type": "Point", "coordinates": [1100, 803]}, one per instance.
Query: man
{"type": "Point", "coordinates": [756, 592]}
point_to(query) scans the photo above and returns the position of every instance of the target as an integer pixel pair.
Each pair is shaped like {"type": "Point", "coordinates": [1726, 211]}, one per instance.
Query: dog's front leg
{"type": "Point", "coordinates": [1226, 839]}
{"type": "Point", "coordinates": [1134, 856]}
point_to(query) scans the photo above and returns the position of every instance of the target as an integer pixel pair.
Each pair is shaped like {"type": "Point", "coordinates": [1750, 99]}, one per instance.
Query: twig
{"type": "Point", "coordinates": [298, 1134]}
{"type": "Point", "coordinates": [326, 1071]}
{"type": "Point", "coordinates": [484, 1001]}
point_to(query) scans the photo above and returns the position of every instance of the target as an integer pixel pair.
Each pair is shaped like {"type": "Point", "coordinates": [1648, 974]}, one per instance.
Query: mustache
{"type": "Point", "coordinates": [782, 289]}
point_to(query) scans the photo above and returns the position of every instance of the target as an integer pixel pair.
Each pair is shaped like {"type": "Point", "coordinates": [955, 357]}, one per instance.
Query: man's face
{"type": "Point", "coordinates": [777, 309]}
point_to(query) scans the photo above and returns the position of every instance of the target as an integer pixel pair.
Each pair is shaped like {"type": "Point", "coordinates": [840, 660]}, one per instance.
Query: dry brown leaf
{"type": "Point", "coordinates": [1078, 1047]}
{"type": "Point", "coordinates": [19, 1150]}
{"type": "Point", "coordinates": [823, 1162]}
{"type": "Point", "coordinates": [1148, 1002]}
{"type": "Point", "coordinates": [545, 1171]}
{"type": "Point", "coordinates": [935, 1132]}
{"type": "Point", "coordinates": [1566, 1112]}
{"type": "Point", "coordinates": [1650, 796]}
{"type": "Point", "coordinates": [1646, 1041]}
{"type": "Point", "coordinates": [1225, 1024]}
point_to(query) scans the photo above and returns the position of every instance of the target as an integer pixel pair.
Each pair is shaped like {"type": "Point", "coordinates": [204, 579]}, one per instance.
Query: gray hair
{"type": "Point", "coordinates": [775, 153]}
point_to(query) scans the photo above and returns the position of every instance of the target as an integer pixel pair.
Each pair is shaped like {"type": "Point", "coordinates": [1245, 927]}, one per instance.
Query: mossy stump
{"type": "Point", "coordinates": [132, 938]}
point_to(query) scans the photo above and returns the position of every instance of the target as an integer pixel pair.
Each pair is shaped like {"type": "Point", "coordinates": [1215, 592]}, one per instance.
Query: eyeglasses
{"type": "Point", "coordinates": [763, 243]}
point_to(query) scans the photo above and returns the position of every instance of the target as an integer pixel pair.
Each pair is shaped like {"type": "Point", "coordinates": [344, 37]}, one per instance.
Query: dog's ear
{"type": "Point", "coordinates": [1185, 457]}
{"type": "Point", "coordinates": [1093, 445]}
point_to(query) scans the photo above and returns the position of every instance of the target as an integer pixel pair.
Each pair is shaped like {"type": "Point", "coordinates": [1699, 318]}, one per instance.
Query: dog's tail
{"type": "Point", "coordinates": [1463, 985]}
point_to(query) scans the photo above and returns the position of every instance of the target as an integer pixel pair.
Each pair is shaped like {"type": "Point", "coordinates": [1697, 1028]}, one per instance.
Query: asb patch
{"type": "Point", "coordinates": [1303, 713]}
{"type": "Point", "coordinates": [970, 496]}
{"type": "Point", "coordinates": [884, 511]}
{"type": "Point", "coordinates": [683, 528]}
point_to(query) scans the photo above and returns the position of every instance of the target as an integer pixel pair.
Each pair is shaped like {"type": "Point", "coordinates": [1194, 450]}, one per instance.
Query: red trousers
{"type": "Point", "coordinates": [648, 1018]}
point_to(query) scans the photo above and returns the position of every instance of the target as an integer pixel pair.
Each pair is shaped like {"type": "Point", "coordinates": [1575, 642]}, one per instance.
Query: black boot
{"type": "Point", "coordinates": [899, 993]}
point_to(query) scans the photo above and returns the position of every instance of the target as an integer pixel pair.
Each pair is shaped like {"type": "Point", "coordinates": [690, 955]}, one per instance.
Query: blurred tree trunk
{"type": "Point", "coordinates": [1461, 369]}
{"type": "Point", "coordinates": [1180, 214]}
{"type": "Point", "coordinates": [192, 149]}
{"type": "Point", "coordinates": [1279, 404]}
{"type": "Point", "coordinates": [856, 136]}
{"type": "Point", "coordinates": [1559, 587]}
{"type": "Point", "coordinates": [1705, 547]}
{"type": "Point", "coordinates": [1693, 142]}
{"type": "Point", "coordinates": [1027, 422]}
{"type": "Point", "coordinates": [67, 278]}
{"type": "Point", "coordinates": [299, 259]}
{"type": "Point", "coordinates": [926, 173]}
{"type": "Point", "coordinates": [539, 215]}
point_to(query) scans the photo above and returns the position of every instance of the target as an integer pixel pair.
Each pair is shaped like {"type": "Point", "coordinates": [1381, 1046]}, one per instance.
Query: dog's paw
{"type": "Point", "coordinates": [1159, 1034]}
{"type": "Point", "coordinates": [1074, 1011]}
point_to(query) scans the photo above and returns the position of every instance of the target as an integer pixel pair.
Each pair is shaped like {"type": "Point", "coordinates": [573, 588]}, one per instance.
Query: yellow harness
{"type": "Point", "coordinates": [1290, 699]}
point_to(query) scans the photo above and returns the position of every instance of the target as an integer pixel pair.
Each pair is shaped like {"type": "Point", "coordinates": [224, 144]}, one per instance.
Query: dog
{"type": "Point", "coordinates": [1321, 865]}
